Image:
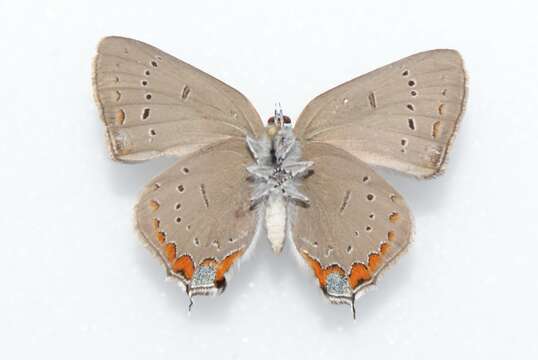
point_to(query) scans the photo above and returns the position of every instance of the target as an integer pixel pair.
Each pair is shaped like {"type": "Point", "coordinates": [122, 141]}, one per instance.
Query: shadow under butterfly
{"type": "Point", "coordinates": [237, 181]}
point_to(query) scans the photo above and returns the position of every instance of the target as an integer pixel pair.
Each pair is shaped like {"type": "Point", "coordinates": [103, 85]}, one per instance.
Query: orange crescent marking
{"type": "Point", "coordinates": [384, 248]}
{"type": "Point", "coordinates": [393, 217]}
{"type": "Point", "coordinates": [226, 264]}
{"type": "Point", "coordinates": [374, 260]}
{"type": "Point", "coordinates": [359, 274]}
{"type": "Point", "coordinates": [320, 273]}
{"type": "Point", "coordinates": [391, 235]}
{"type": "Point", "coordinates": [209, 262]}
{"type": "Point", "coordinates": [161, 237]}
{"type": "Point", "coordinates": [170, 252]}
{"type": "Point", "coordinates": [120, 117]}
{"type": "Point", "coordinates": [333, 268]}
{"type": "Point", "coordinates": [154, 205]}
{"type": "Point", "coordinates": [156, 223]}
{"type": "Point", "coordinates": [184, 265]}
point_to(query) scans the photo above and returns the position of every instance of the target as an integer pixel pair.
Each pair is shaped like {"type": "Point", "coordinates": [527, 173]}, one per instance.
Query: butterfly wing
{"type": "Point", "coordinates": [402, 116]}
{"type": "Point", "coordinates": [196, 216]}
{"type": "Point", "coordinates": [355, 225]}
{"type": "Point", "coordinates": [153, 103]}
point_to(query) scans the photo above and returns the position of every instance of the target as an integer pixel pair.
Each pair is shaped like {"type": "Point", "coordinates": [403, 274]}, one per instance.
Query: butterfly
{"type": "Point", "coordinates": [312, 185]}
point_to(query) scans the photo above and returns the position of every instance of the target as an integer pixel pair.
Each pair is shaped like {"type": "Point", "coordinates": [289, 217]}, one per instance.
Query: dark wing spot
{"type": "Point", "coordinates": [372, 100]}
{"type": "Point", "coordinates": [204, 195]}
{"type": "Point", "coordinates": [185, 92]}
{"type": "Point", "coordinates": [345, 201]}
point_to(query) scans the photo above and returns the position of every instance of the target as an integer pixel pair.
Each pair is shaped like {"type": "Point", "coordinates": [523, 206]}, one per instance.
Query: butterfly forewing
{"type": "Point", "coordinates": [197, 213]}
{"type": "Point", "coordinates": [356, 222]}
{"type": "Point", "coordinates": [401, 116]}
{"type": "Point", "coordinates": [153, 103]}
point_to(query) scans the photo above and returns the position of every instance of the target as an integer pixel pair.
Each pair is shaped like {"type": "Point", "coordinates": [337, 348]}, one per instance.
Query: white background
{"type": "Point", "coordinates": [76, 284]}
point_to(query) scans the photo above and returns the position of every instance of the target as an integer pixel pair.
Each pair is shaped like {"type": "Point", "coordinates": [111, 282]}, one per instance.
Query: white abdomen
{"type": "Point", "coordinates": [275, 221]}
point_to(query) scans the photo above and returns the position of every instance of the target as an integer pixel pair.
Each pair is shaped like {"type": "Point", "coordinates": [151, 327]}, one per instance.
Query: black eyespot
{"type": "Point", "coordinates": [287, 120]}
{"type": "Point", "coordinates": [271, 120]}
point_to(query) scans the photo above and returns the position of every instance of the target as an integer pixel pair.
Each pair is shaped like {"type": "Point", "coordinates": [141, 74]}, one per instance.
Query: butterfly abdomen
{"type": "Point", "coordinates": [275, 221]}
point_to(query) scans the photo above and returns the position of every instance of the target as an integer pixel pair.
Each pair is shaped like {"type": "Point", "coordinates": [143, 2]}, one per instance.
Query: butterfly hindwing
{"type": "Point", "coordinates": [196, 215]}
{"type": "Point", "coordinates": [401, 116]}
{"type": "Point", "coordinates": [153, 103]}
{"type": "Point", "coordinates": [354, 226]}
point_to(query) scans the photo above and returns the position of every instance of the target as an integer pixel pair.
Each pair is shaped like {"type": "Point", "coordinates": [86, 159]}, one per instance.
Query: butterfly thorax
{"type": "Point", "coordinates": [276, 176]}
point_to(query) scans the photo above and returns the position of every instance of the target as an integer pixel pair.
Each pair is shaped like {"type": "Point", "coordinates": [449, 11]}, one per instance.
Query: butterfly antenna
{"type": "Point", "coordinates": [278, 109]}
{"type": "Point", "coordinates": [279, 114]}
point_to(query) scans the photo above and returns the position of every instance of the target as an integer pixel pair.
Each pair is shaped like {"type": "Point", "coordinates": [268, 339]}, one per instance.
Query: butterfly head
{"type": "Point", "coordinates": [277, 121]}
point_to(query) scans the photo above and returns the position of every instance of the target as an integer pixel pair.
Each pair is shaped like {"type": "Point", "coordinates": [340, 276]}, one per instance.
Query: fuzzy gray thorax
{"type": "Point", "coordinates": [278, 166]}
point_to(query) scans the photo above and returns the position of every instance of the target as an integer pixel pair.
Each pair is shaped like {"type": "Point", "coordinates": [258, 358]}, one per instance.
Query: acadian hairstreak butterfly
{"type": "Point", "coordinates": [312, 185]}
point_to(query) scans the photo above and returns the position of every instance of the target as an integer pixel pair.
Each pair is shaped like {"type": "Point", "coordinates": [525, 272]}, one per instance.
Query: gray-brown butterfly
{"type": "Point", "coordinates": [311, 185]}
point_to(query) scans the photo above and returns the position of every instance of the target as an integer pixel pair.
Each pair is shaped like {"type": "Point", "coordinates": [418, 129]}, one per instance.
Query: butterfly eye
{"type": "Point", "coordinates": [287, 120]}
{"type": "Point", "coordinates": [271, 120]}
